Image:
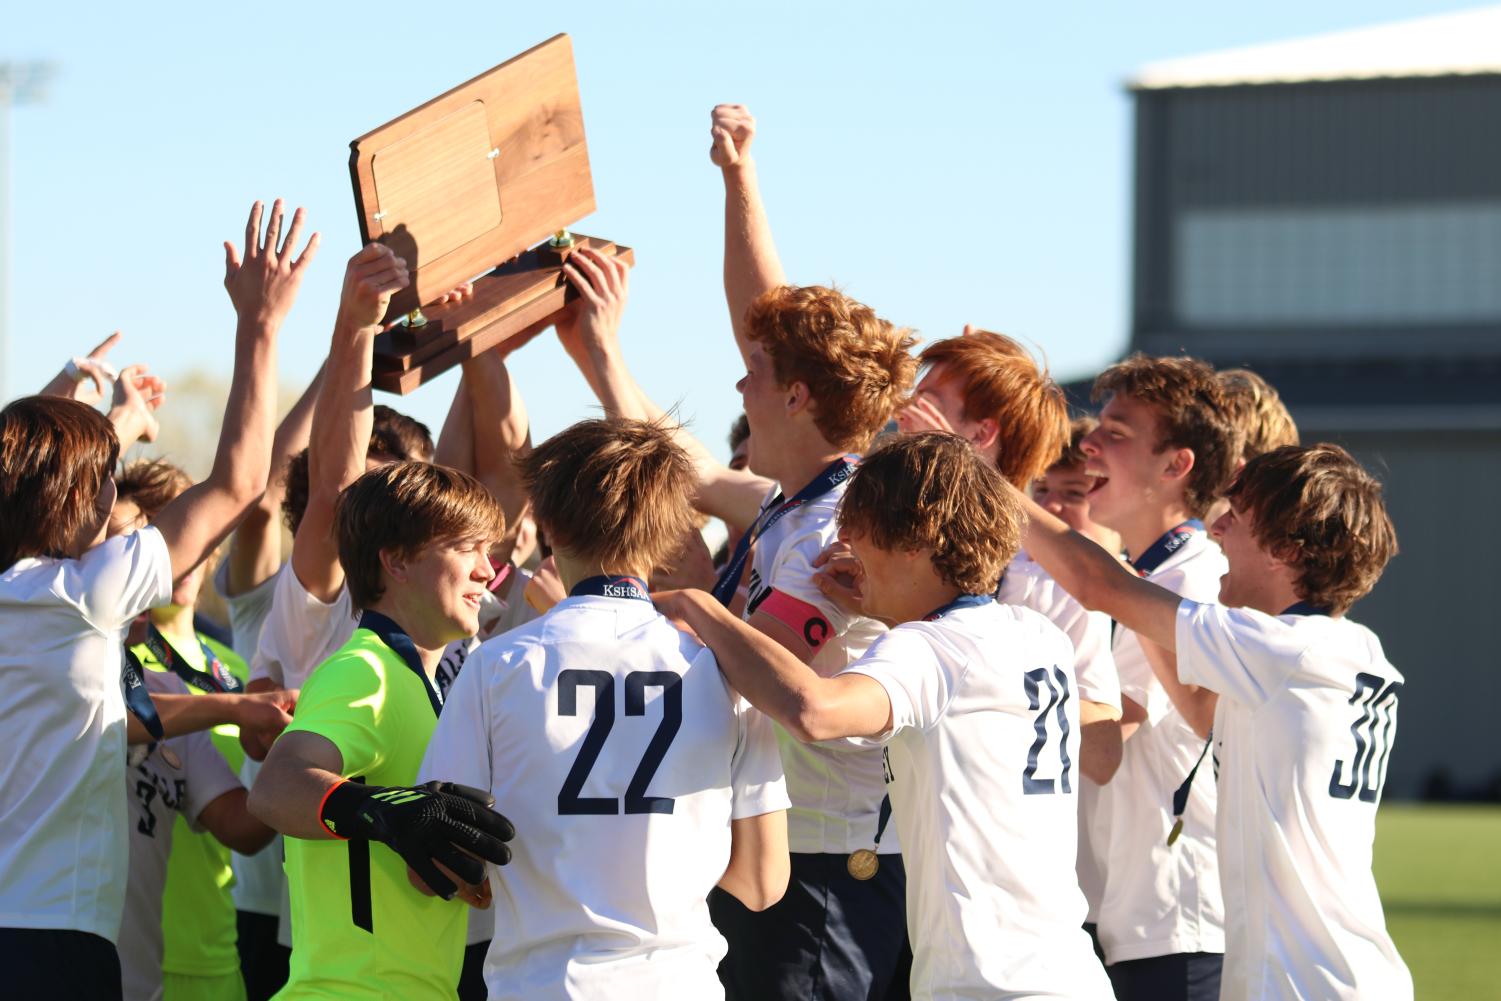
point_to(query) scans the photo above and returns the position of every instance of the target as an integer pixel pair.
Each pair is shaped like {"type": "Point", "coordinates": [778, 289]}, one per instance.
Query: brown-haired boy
{"type": "Point", "coordinates": [1165, 448]}
{"type": "Point", "coordinates": [973, 702]}
{"type": "Point", "coordinates": [641, 779]}
{"type": "Point", "coordinates": [413, 540]}
{"type": "Point", "coordinates": [823, 375]}
{"type": "Point", "coordinates": [1304, 723]}
{"type": "Point", "coordinates": [1257, 411]}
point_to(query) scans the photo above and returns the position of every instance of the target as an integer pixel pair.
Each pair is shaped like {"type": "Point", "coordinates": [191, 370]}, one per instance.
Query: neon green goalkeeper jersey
{"type": "Point", "coordinates": [359, 928]}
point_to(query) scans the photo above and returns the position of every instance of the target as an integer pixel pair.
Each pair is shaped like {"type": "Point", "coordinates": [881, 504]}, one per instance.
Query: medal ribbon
{"type": "Point", "coordinates": [1169, 543]}
{"type": "Point", "coordinates": [729, 578]}
{"type": "Point", "coordinates": [216, 679]}
{"type": "Point", "coordinates": [613, 586]}
{"type": "Point", "coordinates": [137, 698]}
{"type": "Point", "coordinates": [963, 601]}
{"type": "Point", "coordinates": [1180, 797]}
{"type": "Point", "coordinates": [401, 644]}
{"type": "Point", "coordinates": [885, 818]}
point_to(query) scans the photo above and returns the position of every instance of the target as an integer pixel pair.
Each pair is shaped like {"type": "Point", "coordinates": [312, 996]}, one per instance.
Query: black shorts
{"type": "Point", "coordinates": [1186, 976]}
{"type": "Point", "coordinates": [830, 938]}
{"type": "Point", "coordinates": [48, 963]}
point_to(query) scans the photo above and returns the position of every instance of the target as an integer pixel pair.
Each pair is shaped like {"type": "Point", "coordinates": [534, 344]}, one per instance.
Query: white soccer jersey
{"type": "Point", "coordinates": [259, 882]}
{"type": "Point", "coordinates": [156, 791]}
{"type": "Point", "coordinates": [1161, 899]}
{"type": "Point", "coordinates": [616, 747]}
{"type": "Point", "coordinates": [836, 790]}
{"type": "Point", "coordinates": [1027, 584]}
{"type": "Point", "coordinates": [62, 730]}
{"type": "Point", "coordinates": [1303, 731]}
{"type": "Point", "coordinates": [983, 754]}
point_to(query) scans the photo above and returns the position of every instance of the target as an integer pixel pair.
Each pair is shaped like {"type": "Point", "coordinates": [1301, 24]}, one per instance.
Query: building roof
{"type": "Point", "coordinates": [1460, 44]}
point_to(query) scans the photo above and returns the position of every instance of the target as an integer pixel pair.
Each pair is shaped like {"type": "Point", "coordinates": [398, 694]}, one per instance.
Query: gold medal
{"type": "Point", "coordinates": [172, 760]}
{"type": "Point", "coordinates": [1177, 830]}
{"type": "Point", "coordinates": [863, 863]}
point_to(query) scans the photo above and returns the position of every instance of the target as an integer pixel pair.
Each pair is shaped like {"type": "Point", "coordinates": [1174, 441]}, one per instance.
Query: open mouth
{"type": "Point", "coordinates": [1100, 479]}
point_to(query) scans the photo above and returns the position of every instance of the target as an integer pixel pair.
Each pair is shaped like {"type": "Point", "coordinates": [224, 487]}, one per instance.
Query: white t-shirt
{"type": "Point", "coordinates": [1027, 584]}
{"type": "Point", "coordinates": [155, 790]}
{"type": "Point", "coordinates": [260, 882]}
{"type": "Point", "coordinates": [1303, 731]}
{"type": "Point", "coordinates": [299, 632]}
{"type": "Point", "coordinates": [983, 753]}
{"type": "Point", "coordinates": [1161, 899]}
{"type": "Point", "coordinates": [836, 790]}
{"type": "Point", "coordinates": [62, 730]}
{"type": "Point", "coordinates": [616, 747]}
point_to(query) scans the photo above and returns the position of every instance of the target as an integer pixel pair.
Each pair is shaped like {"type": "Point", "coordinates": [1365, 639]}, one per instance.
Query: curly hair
{"type": "Point", "coordinates": [150, 484]}
{"type": "Point", "coordinates": [931, 490]}
{"type": "Point", "coordinates": [55, 456]}
{"type": "Point", "coordinates": [613, 491]}
{"type": "Point", "coordinates": [405, 507]}
{"type": "Point", "coordinates": [1317, 509]}
{"type": "Point", "coordinates": [1191, 413]}
{"type": "Point", "coordinates": [857, 367]}
{"type": "Point", "coordinates": [1001, 381]}
{"type": "Point", "coordinates": [393, 436]}
{"type": "Point", "coordinates": [1257, 411]}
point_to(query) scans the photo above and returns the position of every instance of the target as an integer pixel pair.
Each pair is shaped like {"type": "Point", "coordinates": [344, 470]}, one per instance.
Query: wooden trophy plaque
{"type": "Point", "coordinates": [483, 180]}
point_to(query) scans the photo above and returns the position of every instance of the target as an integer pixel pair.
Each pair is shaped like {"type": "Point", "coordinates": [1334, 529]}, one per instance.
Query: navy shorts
{"type": "Point", "coordinates": [47, 963]}
{"type": "Point", "coordinates": [1186, 976]}
{"type": "Point", "coordinates": [830, 938]}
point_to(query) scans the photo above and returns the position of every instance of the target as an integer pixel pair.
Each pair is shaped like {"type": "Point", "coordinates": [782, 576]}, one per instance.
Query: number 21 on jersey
{"type": "Point", "coordinates": [1055, 682]}
{"type": "Point", "coordinates": [603, 684]}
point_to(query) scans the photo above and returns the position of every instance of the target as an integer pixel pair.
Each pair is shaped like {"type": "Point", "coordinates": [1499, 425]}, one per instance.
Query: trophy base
{"type": "Point", "coordinates": [510, 305]}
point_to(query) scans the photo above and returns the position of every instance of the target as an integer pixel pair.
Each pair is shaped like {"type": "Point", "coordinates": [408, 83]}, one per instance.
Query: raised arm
{"type": "Point", "coordinates": [501, 434]}
{"type": "Point", "coordinates": [590, 334]}
{"type": "Point", "coordinates": [751, 264]}
{"type": "Point", "coordinates": [262, 287]}
{"type": "Point", "coordinates": [344, 414]}
{"type": "Point", "coordinates": [255, 546]}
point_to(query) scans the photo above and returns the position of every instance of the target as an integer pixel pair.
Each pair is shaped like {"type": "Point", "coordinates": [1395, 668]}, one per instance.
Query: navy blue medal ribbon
{"type": "Point", "coordinates": [393, 636]}
{"type": "Point", "coordinates": [137, 698]}
{"type": "Point", "coordinates": [1166, 545]}
{"type": "Point", "coordinates": [729, 578]}
{"type": "Point", "coordinates": [1180, 796]}
{"type": "Point", "coordinates": [963, 601]}
{"type": "Point", "coordinates": [612, 586]}
{"type": "Point", "coordinates": [216, 679]}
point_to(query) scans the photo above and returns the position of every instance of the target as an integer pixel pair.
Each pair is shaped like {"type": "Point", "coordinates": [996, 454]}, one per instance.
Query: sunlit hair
{"type": "Point", "coordinates": [1002, 382]}
{"type": "Point", "coordinates": [857, 367]}
{"type": "Point", "coordinates": [393, 436]}
{"type": "Point", "coordinates": [1318, 510]}
{"type": "Point", "coordinates": [1073, 452]}
{"type": "Point", "coordinates": [1191, 414]}
{"type": "Point", "coordinates": [614, 492]}
{"type": "Point", "coordinates": [55, 455]}
{"type": "Point", "coordinates": [150, 484]}
{"type": "Point", "coordinates": [404, 508]}
{"type": "Point", "coordinates": [1257, 412]}
{"type": "Point", "coordinates": [930, 490]}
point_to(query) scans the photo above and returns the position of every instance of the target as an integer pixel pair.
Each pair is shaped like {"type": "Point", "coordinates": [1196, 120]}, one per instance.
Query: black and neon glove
{"type": "Point", "coordinates": [436, 822]}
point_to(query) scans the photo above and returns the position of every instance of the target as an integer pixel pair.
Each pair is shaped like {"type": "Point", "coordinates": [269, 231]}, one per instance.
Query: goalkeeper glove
{"type": "Point", "coordinates": [439, 821]}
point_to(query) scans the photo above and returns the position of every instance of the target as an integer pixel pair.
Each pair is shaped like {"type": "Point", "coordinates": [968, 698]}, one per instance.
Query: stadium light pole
{"type": "Point", "coordinates": [20, 83]}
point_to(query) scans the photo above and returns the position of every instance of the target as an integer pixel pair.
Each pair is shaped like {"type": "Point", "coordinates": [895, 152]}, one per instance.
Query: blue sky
{"type": "Point", "coordinates": [946, 163]}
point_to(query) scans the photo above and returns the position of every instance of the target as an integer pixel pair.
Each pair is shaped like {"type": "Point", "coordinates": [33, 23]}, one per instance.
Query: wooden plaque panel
{"type": "Point", "coordinates": [477, 175]}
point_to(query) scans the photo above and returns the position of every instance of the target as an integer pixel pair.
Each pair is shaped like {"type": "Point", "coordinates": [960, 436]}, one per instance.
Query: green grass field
{"type": "Point", "coordinates": [1439, 869]}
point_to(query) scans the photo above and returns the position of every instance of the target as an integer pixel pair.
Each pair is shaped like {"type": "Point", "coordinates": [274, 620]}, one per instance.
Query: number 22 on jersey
{"type": "Point", "coordinates": [603, 684]}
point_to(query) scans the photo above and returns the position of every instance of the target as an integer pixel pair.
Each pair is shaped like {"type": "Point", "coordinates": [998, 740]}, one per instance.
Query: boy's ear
{"type": "Point", "coordinates": [1180, 462]}
{"type": "Point", "coordinates": [394, 565]}
{"type": "Point", "coordinates": [798, 397]}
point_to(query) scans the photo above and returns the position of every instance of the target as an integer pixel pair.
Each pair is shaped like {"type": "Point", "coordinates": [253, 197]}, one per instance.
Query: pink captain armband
{"type": "Point", "coordinates": [803, 619]}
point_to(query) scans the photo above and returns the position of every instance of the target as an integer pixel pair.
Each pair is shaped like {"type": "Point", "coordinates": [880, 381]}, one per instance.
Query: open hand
{"type": "Point", "coordinates": [731, 129]}
{"type": "Point", "coordinates": [263, 284]}
{"type": "Point", "coordinates": [137, 395]}
{"type": "Point", "coordinates": [921, 414]}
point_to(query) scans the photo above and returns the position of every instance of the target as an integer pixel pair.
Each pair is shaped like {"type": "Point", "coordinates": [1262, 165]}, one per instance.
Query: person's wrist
{"type": "Point", "coordinates": [339, 810]}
